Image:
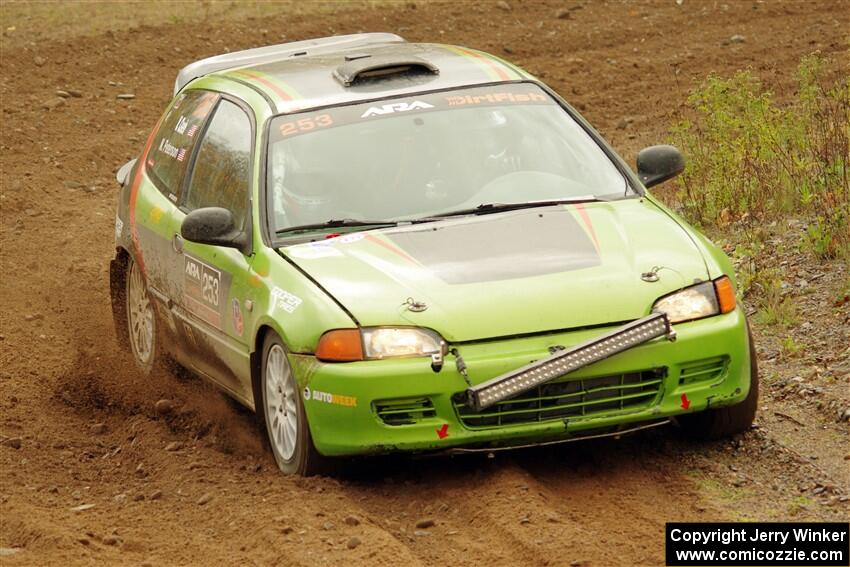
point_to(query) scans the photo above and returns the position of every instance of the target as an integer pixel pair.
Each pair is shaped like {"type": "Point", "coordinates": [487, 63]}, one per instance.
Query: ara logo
{"type": "Point", "coordinates": [193, 270]}
{"type": "Point", "coordinates": [396, 107]}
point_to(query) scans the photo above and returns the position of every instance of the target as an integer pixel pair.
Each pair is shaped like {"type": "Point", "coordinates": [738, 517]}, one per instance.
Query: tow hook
{"type": "Point", "coordinates": [437, 361]}
{"type": "Point", "coordinates": [460, 364]}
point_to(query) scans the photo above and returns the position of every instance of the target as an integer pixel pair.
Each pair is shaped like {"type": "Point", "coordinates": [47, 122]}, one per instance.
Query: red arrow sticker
{"type": "Point", "coordinates": [443, 432]}
{"type": "Point", "coordinates": [686, 403]}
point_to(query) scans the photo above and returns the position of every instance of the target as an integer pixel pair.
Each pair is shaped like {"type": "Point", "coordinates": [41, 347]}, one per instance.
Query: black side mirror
{"type": "Point", "coordinates": [657, 164]}
{"type": "Point", "coordinates": [213, 225]}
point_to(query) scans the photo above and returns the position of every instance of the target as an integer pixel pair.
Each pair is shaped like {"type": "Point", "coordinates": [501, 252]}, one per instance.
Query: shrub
{"type": "Point", "coordinates": [751, 160]}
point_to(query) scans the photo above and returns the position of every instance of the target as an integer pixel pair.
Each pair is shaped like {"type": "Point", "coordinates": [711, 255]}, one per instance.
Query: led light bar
{"type": "Point", "coordinates": [563, 362]}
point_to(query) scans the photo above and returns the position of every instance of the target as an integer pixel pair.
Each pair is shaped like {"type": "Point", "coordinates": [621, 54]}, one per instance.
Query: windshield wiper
{"type": "Point", "coordinates": [343, 223]}
{"type": "Point", "coordinates": [488, 208]}
{"type": "Point", "coordinates": [483, 209]}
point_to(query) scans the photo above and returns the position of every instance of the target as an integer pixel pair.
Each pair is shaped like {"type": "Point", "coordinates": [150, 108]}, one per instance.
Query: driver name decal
{"type": "Point", "coordinates": [169, 149]}
{"type": "Point", "coordinates": [202, 290]}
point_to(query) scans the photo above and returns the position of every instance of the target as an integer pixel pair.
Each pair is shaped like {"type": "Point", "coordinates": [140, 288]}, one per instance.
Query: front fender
{"type": "Point", "coordinates": [716, 261]}
{"type": "Point", "coordinates": [292, 305]}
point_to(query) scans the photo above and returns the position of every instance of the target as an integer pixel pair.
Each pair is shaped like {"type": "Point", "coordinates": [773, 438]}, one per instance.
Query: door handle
{"type": "Point", "coordinates": [177, 243]}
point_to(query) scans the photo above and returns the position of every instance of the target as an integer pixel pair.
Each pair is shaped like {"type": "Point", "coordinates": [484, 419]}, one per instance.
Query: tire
{"type": "Point", "coordinates": [282, 413]}
{"type": "Point", "coordinates": [720, 423]}
{"type": "Point", "coordinates": [141, 322]}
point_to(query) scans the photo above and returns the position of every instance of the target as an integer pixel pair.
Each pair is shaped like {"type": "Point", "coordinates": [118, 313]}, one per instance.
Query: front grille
{"type": "Point", "coordinates": [706, 370]}
{"type": "Point", "coordinates": [404, 411]}
{"type": "Point", "coordinates": [569, 398]}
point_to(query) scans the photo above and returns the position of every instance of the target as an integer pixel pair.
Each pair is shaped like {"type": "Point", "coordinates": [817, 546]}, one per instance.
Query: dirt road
{"type": "Point", "coordinates": [91, 472]}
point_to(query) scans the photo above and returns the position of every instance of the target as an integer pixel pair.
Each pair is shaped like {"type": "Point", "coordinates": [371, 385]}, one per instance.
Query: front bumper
{"type": "Point", "coordinates": [402, 405]}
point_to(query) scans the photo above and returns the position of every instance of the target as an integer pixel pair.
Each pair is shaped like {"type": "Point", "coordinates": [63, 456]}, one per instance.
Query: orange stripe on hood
{"type": "Point", "coordinates": [585, 218]}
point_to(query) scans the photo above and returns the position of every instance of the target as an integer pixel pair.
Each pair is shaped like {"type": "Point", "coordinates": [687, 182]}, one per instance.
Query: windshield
{"type": "Point", "coordinates": [429, 154]}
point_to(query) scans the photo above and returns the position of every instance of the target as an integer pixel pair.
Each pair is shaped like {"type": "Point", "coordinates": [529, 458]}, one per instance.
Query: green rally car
{"type": "Point", "coordinates": [384, 246]}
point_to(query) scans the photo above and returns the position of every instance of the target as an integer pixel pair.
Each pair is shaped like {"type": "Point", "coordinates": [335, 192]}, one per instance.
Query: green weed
{"type": "Point", "coordinates": [751, 160]}
{"type": "Point", "coordinates": [774, 306]}
{"type": "Point", "coordinates": [790, 347]}
{"type": "Point", "coordinates": [799, 504]}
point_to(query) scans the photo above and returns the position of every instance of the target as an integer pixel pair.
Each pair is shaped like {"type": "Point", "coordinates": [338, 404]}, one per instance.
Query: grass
{"type": "Point", "coordinates": [752, 161]}
{"type": "Point", "coordinates": [753, 165]}
{"type": "Point", "coordinates": [775, 307]}
{"type": "Point", "coordinates": [722, 490]}
{"type": "Point", "coordinates": [790, 347]}
{"type": "Point", "coordinates": [799, 504]}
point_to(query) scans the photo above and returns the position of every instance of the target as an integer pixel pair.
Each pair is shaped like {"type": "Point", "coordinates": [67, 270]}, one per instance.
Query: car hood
{"type": "Point", "coordinates": [504, 274]}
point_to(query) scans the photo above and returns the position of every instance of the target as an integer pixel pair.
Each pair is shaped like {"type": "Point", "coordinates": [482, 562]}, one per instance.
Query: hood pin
{"type": "Point", "coordinates": [414, 306]}
{"type": "Point", "coordinates": [651, 275]}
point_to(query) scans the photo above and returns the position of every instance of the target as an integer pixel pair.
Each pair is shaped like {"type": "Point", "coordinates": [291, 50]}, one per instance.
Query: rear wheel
{"type": "Point", "coordinates": [141, 321]}
{"type": "Point", "coordinates": [282, 412]}
{"type": "Point", "coordinates": [724, 422]}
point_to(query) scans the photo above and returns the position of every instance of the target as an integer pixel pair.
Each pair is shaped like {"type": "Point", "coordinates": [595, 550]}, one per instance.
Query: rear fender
{"type": "Point", "coordinates": [117, 294]}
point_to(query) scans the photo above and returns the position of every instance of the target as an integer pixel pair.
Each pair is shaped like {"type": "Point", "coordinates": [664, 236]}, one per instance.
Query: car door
{"type": "Point", "coordinates": [153, 202]}
{"type": "Point", "coordinates": [213, 299]}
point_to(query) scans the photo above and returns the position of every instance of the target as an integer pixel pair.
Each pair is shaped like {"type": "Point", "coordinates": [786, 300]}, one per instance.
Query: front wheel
{"type": "Point", "coordinates": [282, 412]}
{"type": "Point", "coordinates": [724, 422]}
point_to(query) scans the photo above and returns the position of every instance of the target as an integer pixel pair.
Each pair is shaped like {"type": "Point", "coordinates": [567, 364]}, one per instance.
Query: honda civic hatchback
{"type": "Point", "coordinates": [385, 246]}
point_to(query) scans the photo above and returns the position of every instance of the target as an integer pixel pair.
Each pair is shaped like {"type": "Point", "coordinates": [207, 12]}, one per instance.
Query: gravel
{"type": "Point", "coordinates": [164, 407]}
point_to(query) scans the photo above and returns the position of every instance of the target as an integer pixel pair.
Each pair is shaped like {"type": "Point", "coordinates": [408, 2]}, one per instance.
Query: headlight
{"type": "Point", "coordinates": [374, 343]}
{"type": "Point", "coordinates": [383, 342]}
{"type": "Point", "coordinates": [698, 301]}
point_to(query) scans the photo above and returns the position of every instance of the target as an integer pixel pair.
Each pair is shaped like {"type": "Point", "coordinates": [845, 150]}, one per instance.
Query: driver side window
{"type": "Point", "coordinates": [172, 148]}
{"type": "Point", "coordinates": [221, 176]}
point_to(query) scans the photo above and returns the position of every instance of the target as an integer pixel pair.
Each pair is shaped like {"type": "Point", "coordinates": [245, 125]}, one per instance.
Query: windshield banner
{"type": "Point", "coordinates": [292, 125]}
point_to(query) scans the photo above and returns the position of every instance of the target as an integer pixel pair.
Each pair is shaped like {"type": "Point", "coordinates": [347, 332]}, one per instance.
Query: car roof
{"type": "Point", "coordinates": [351, 68]}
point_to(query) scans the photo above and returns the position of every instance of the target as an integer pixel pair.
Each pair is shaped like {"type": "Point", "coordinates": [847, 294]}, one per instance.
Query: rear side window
{"type": "Point", "coordinates": [169, 155]}
{"type": "Point", "coordinates": [222, 172]}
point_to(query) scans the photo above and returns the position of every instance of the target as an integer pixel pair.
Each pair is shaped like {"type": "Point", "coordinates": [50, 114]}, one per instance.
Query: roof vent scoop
{"type": "Point", "coordinates": [367, 67]}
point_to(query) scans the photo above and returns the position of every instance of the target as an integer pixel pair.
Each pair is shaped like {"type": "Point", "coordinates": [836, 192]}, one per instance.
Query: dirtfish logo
{"type": "Point", "coordinates": [396, 107]}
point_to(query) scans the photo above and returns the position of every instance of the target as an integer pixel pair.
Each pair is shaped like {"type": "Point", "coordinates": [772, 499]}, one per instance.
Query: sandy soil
{"type": "Point", "coordinates": [91, 473]}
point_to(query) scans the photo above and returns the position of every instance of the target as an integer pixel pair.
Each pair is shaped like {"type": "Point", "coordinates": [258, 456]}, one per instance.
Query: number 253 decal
{"type": "Point", "coordinates": [201, 289]}
{"type": "Point", "coordinates": [306, 124]}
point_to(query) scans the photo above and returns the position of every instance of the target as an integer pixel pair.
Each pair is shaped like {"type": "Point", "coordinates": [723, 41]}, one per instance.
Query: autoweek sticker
{"type": "Point", "coordinates": [328, 398]}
